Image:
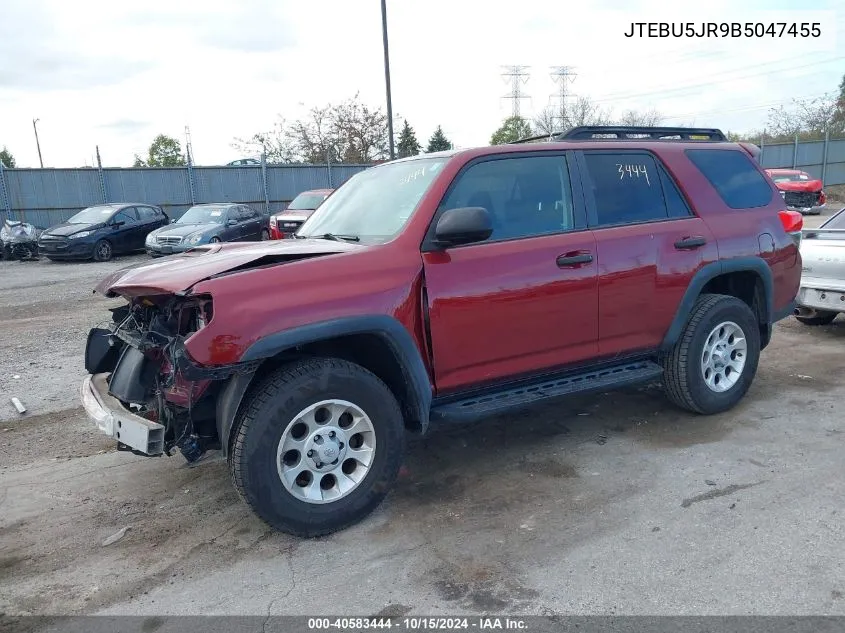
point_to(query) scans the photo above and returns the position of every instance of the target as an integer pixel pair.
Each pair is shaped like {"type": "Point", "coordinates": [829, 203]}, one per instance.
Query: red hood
{"type": "Point", "coordinates": [179, 272]}
{"type": "Point", "coordinates": [799, 185]}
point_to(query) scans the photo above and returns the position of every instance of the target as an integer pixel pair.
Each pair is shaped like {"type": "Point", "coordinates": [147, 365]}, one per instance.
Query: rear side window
{"type": "Point", "coordinates": [733, 176]}
{"type": "Point", "coordinates": [627, 188]}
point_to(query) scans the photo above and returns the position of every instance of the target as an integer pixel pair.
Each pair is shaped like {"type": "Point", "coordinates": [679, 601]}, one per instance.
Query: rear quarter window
{"type": "Point", "coordinates": [734, 176]}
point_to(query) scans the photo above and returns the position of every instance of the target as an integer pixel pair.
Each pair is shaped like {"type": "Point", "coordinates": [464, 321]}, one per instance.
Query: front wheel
{"type": "Point", "coordinates": [712, 365]}
{"type": "Point", "coordinates": [317, 446]}
{"type": "Point", "coordinates": [818, 317]}
{"type": "Point", "coordinates": [103, 251]}
{"type": "Point", "coordinates": [214, 240]}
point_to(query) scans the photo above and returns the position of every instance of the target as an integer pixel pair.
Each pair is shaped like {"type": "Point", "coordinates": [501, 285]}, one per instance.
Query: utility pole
{"type": "Point", "coordinates": [387, 78]}
{"type": "Point", "coordinates": [517, 76]}
{"type": "Point", "coordinates": [37, 142]}
{"type": "Point", "coordinates": [562, 76]}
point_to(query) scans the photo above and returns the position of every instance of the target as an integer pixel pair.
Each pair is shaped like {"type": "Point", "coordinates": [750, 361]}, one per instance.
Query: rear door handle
{"type": "Point", "coordinates": [566, 261]}
{"type": "Point", "coordinates": [689, 243]}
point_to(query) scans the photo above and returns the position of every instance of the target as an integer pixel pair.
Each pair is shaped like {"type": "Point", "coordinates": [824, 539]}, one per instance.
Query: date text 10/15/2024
{"type": "Point", "coordinates": [418, 624]}
{"type": "Point", "coordinates": [725, 29]}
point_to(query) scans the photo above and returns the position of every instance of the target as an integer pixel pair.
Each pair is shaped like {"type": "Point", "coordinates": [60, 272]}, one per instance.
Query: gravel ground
{"type": "Point", "coordinates": [616, 504]}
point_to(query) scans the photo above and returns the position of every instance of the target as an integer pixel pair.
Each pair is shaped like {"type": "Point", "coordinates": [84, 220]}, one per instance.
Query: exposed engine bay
{"type": "Point", "coordinates": [151, 374]}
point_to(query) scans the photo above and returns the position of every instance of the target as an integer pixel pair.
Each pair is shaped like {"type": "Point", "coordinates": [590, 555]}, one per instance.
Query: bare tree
{"type": "Point", "coordinates": [635, 118]}
{"type": "Point", "coordinates": [807, 118]}
{"type": "Point", "coordinates": [274, 143]}
{"type": "Point", "coordinates": [546, 121]}
{"type": "Point", "coordinates": [349, 132]}
{"type": "Point", "coordinates": [582, 111]}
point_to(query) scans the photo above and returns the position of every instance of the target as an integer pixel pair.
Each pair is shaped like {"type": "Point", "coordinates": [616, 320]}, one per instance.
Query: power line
{"type": "Point", "coordinates": [562, 76]}
{"type": "Point", "coordinates": [517, 76]}
{"type": "Point", "coordinates": [748, 108]}
{"type": "Point", "coordinates": [664, 91]}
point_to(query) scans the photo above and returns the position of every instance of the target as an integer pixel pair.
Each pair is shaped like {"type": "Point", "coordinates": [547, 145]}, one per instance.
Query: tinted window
{"type": "Point", "coordinates": [734, 177]}
{"type": "Point", "coordinates": [526, 196]}
{"type": "Point", "coordinates": [836, 222]}
{"type": "Point", "coordinates": [627, 188]}
{"type": "Point", "coordinates": [127, 215]}
{"type": "Point", "coordinates": [675, 202]}
{"type": "Point", "coordinates": [248, 214]}
{"type": "Point", "coordinates": [147, 213]}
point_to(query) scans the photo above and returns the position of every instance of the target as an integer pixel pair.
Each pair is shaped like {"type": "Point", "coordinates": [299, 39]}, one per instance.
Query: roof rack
{"type": "Point", "coordinates": [624, 132]}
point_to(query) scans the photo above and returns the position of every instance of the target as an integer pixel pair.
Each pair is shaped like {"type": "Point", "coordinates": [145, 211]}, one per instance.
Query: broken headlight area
{"type": "Point", "coordinates": [152, 375]}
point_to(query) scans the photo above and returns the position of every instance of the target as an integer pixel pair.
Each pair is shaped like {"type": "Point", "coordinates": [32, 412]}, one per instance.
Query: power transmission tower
{"type": "Point", "coordinates": [517, 76]}
{"type": "Point", "coordinates": [563, 76]}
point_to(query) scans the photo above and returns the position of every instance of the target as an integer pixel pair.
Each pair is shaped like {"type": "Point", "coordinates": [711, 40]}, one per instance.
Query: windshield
{"type": "Point", "coordinates": [376, 203]}
{"type": "Point", "coordinates": [92, 215]}
{"type": "Point", "coordinates": [306, 202]}
{"type": "Point", "coordinates": [789, 177]}
{"type": "Point", "coordinates": [203, 215]}
{"type": "Point", "coordinates": [837, 221]}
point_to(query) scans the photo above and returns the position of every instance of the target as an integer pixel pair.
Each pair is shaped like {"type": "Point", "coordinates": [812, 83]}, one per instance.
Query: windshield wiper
{"type": "Point", "coordinates": [334, 237]}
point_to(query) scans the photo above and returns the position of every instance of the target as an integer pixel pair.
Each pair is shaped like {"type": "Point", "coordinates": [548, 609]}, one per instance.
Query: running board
{"type": "Point", "coordinates": [529, 394]}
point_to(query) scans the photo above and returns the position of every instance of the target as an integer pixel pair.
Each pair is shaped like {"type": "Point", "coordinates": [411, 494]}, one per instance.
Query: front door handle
{"type": "Point", "coordinates": [689, 243]}
{"type": "Point", "coordinates": [567, 261]}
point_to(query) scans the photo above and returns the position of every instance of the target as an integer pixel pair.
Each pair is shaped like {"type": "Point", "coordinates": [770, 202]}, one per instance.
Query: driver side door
{"type": "Point", "coordinates": [526, 299]}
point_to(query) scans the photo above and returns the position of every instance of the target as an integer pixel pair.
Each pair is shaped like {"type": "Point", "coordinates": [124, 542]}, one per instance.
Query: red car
{"type": "Point", "coordinates": [800, 191]}
{"type": "Point", "coordinates": [446, 288]}
{"type": "Point", "coordinates": [285, 223]}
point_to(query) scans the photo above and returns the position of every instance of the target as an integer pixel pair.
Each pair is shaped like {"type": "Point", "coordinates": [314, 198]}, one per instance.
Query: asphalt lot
{"type": "Point", "coordinates": [616, 504]}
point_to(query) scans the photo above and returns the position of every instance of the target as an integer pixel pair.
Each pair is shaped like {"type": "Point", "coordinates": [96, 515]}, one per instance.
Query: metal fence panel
{"type": "Point", "coordinates": [809, 156]}
{"type": "Point", "coordinates": [48, 196]}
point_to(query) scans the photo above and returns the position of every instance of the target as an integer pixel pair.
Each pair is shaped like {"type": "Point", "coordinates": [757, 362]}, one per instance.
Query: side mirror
{"type": "Point", "coordinates": [463, 226]}
{"type": "Point", "coordinates": [231, 222]}
{"type": "Point", "coordinates": [173, 220]}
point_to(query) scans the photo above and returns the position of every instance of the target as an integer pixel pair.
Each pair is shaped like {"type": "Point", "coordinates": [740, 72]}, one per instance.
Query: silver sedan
{"type": "Point", "coordinates": [822, 294]}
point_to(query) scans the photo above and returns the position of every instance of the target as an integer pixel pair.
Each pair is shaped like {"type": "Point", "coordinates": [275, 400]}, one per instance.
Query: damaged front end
{"type": "Point", "coordinates": [144, 389]}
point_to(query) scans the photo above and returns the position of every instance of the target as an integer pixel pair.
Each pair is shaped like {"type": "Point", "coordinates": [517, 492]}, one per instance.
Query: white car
{"type": "Point", "coordinates": [822, 294]}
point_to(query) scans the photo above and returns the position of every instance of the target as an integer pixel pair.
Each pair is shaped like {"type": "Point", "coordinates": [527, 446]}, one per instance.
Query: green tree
{"type": "Point", "coordinates": [165, 151]}
{"type": "Point", "coordinates": [6, 158]}
{"type": "Point", "coordinates": [513, 129]}
{"type": "Point", "coordinates": [438, 141]}
{"type": "Point", "coordinates": [408, 144]}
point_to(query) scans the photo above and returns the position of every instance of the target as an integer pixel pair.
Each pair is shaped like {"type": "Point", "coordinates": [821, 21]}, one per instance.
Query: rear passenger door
{"type": "Point", "coordinates": [649, 245]}
{"type": "Point", "coordinates": [525, 299]}
{"type": "Point", "coordinates": [251, 224]}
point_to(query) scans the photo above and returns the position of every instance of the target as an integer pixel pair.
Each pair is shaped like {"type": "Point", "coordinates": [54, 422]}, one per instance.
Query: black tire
{"type": "Point", "coordinates": [683, 376]}
{"type": "Point", "coordinates": [265, 235]}
{"type": "Point", "coordinates": [821, 317]}
{"type": "Point", "coordinates": [270, 409]}
{"type": "Point", "coordinates": [214, 240]}
{"type": "Point", "coordinates": [103, 251]}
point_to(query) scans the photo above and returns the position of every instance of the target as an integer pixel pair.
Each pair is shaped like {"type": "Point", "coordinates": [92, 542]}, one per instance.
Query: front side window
{"type": "Point", "coordinates": [375, 204]}
{"type": "Point", "coordinates": [733, 176]}
{"type": "Point", "coordinates": [127, 216]}
{"type": "Point", "coordinates": [627, 188]}
{"type": "Point", "coordinates": [526, 196]}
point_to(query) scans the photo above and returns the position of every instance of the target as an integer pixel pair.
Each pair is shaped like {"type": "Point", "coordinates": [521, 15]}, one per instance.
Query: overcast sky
{"type": "Point", "coordinates": [115, 74]}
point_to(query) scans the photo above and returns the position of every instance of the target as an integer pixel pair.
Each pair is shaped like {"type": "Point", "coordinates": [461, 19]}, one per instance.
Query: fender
{"type": "Point", "coordinates": [388, 328]}
{"type": "Point", "coordinates": [711, 271]}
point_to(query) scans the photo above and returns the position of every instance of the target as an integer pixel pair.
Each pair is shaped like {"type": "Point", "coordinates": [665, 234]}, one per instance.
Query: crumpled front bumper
{"type": "Point", "coordinates": [116, 421]}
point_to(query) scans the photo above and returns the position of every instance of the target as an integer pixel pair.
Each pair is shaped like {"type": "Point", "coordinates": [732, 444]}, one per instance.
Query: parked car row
{"type": "Point", "coordinates": [103, 231]}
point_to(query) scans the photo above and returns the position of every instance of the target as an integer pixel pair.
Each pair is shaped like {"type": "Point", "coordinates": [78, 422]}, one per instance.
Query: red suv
{"type": "Point", "coordinates": [285, 223]}
{"type": "Point", "coordinates": [448, 287]}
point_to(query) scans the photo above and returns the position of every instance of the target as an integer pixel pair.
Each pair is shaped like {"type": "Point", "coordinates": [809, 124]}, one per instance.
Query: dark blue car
{"type": "Point", "coordinates": [102, 231]}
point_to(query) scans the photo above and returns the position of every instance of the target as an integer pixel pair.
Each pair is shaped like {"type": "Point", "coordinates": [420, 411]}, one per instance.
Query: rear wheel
{"type": "Point", "coordinates": [317, 446]}
{"type": "Point", "coordinates": [817, 317]}
{"type": "Point", "coordinates": [265, 235]}
{"type": "Point", "coordinates": [712, 365]}
{"type": "Point", "coordinates": [103, 251]}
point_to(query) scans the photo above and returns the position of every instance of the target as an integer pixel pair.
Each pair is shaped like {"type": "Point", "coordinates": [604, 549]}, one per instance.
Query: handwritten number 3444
{"type": "Point", "coordinates": [633, 171]}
